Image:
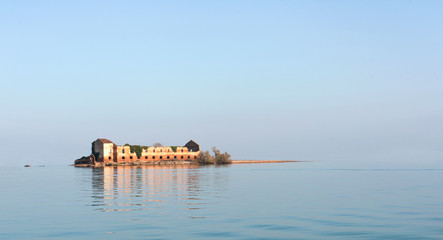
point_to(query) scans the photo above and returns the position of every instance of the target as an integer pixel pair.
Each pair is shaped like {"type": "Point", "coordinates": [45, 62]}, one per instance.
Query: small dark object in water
{"type": "Point", "coordinates": [27, 165]}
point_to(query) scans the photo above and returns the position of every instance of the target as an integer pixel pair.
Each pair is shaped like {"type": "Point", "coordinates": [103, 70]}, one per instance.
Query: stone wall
{"type": "Point", "coordinates": [110, 153]}
{"type": "Point", "coordinates": [97, 147]}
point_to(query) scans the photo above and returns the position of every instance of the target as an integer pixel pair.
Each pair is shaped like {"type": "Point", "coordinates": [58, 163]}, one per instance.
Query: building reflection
{"type": "Point", "coordinates": [129, 188]}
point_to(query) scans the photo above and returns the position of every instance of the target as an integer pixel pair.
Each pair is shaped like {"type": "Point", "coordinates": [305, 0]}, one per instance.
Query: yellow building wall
{"type": "Point", "coordinates": [111, 153]}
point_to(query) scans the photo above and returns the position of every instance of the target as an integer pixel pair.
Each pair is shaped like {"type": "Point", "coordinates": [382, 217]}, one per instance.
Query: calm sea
{"type": "Point", "coordinates": [250, 201]}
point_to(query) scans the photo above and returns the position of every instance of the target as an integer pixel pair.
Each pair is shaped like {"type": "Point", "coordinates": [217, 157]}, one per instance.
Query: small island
{"type": "Point", "coordinates": [106, 153]}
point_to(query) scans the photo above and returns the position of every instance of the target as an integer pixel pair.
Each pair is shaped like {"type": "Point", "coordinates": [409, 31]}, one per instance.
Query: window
{"type": "Point", "coordinates": [153, 157]}
{"type": "Point", "coordinates": [130, 157]}
{"type": "Point", "coordinates": [189, 157]}
{"type": "Point", "coordinates": [182, 157]}
{"type": "Point", "coordinates": [154, 150]}
{"type": "Point", "coordinates": [146, 157]}
{"type": "Point", "coordinates": [167, 157]}
{"type": "Point", "coordinates": [123, 157]}
{"type": "Point", "coordinates": [123, 151]}
{"type": "Point", "coordinates": [109, 157]}
{"type": "Point", "coordinates": [182, 150]}
{"type": "Point", "coordinates": [175, 157]}
{"type": "Point", "coordinates": [161, 157]}
{"type": "Point", "coordinates": [195, 157]}
{"type": "Point", "coordinates": [161, 150]}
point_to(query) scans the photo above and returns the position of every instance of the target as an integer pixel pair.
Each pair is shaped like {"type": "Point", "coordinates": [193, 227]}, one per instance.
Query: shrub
{"type": "Point", "coordinates": [174, 148]}
{"type": "Point", "coordinates": [205, 158]}
{"type": "Point", "coordinates": [221, 158]}
{"type": "Point", "coordinates": [137, 149]}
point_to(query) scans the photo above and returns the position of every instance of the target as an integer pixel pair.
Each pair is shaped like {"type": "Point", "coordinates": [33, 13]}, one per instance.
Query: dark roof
{"type": "Point", "coordinates": [104, 140]}
{"type": "Point", "coordinates": [191, 142]}
{"type": "Point", "coordinates": [193, 146]}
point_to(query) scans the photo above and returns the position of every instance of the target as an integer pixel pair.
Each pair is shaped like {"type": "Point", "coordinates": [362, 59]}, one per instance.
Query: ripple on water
{"type": "Point", "coordinates": [227, 203]}
{"type": "Point", "coordinates": [217, 234]}
{"type": "Point", "coordinates": [275, 227]}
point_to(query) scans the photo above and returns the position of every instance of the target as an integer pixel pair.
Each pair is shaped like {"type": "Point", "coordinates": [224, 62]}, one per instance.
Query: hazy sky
{"type": "Point", "coordinates": [345, 83]}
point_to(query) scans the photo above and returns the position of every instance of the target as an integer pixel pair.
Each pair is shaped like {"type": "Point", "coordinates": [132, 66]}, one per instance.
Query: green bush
{"type": "Point", "coordinates": [137, 149]}
{"type": "Point", "coordinates": [174, 148]}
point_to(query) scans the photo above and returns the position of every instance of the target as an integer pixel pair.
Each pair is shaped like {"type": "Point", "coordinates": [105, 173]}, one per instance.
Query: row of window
{"type": "Point", "coordinates": [161, 157]}
{"type": "Point", "coordinates": [161, 150]}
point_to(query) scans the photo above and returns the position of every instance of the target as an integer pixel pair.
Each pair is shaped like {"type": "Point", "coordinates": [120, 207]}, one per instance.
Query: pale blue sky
{"type": "Point", "coordinates": [346, 83]}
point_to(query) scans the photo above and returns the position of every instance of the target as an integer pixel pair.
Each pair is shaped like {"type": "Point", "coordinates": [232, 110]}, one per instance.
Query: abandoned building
{"type": "Point", "coordinates": [106, 152]}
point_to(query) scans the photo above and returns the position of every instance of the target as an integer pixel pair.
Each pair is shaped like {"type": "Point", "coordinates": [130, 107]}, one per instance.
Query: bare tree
{"type": "Point", "coordinates": [221, 158]}
{"type": "Point", "coordinates": [157, 144]}
{"type": "Point", "coordinates": [205, 158]}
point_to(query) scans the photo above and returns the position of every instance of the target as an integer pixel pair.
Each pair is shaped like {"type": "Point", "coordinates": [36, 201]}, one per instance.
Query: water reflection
{"type": "Point", "coordinates": [136, 188]}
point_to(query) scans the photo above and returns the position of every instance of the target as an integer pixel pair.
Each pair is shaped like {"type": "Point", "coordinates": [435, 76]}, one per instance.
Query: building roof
{"type": "Point", "coordinates": [192, 146]}
{"type": "Point", "coordinates": [191, 142]}
{"type": "Point", "coordinates": [104, 140]}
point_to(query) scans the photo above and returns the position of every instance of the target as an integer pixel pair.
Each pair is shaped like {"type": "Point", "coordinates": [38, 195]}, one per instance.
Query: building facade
{"type": "Point", "coordinates": [107, 152]}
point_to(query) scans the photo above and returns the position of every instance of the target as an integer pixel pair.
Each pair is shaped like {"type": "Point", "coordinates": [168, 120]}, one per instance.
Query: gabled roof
{"type": "Point", "coordinates": [191, 143]}
{"type": "Point", "coordinates": [192, 146]}
{"type": "Point", "coordinates": [104, 140]}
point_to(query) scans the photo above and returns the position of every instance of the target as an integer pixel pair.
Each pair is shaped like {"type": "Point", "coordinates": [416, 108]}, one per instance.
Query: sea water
{"type": "Point", "coordinates": [241, 201]}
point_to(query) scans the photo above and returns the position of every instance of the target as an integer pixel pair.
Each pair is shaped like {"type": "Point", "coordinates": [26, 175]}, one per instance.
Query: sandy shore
{"type": "Point", "coordinates": [261, 161]}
